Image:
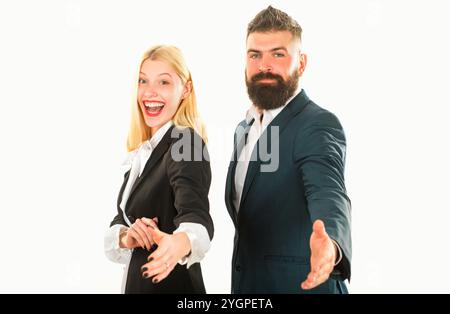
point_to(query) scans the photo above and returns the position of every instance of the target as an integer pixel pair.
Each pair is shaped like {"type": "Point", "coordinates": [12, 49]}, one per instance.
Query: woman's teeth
{"type": "Point", "coordinates": [153, 106]}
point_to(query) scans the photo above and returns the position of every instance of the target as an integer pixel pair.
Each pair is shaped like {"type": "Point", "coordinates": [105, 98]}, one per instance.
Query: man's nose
{"type": "Point", "coordinates": [265, 65]}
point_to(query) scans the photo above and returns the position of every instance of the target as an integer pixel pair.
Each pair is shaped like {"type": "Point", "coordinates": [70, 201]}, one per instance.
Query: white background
{"type": "Point", "coordinates": [65, 77]}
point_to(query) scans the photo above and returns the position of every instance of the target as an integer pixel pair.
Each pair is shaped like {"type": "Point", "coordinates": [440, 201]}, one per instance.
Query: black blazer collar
{"type": "Point", "coordinates": [156, 155]}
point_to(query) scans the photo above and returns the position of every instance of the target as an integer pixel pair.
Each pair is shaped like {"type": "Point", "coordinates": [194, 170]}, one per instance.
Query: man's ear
{"type": "Point", "coordinates": [303, 61]}
{"type": "Point", "coordinates": [187, 89]}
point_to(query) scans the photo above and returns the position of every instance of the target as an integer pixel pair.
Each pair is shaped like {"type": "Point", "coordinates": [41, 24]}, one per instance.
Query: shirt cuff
{"type": "Point", "coordinates": [339, 253]}
{"type": "Point", "coordinates": [113, 251]}
{"type": "Point", "coordinates": [199, 239]}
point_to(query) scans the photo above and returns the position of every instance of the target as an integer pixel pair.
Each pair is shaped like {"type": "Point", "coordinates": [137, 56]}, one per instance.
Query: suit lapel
{"type": "Point", "coordinates": [122, 189]}
{"type": "Point", "coordinates": [239, 143]}
{"type": "Point", "coordinates": [295, 107]}
{"type": "Point", "coordinates": [156, 155]}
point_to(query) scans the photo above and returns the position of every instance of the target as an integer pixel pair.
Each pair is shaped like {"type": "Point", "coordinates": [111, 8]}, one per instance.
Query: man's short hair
{"type": "Point", "coordinates": [272, 19]}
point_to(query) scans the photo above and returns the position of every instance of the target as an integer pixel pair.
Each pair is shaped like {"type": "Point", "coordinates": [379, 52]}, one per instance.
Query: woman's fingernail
{"type": "Point", "coordinates": [143, 269]}
{"type": "Point", "coordinates": [155, 280]}
{"type": "Point", "coordinates": [150, 259]}
{"type": "Point", "coordinates": [145, 275]}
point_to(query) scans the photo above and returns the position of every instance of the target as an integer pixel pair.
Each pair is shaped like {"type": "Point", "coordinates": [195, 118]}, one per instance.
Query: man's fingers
{"type": "Point", "coordinates": [325, 270]}
{"type": "Point", "coordinates": [321, 279]}
{"type": "Point", "coordinates": [318, 276]}
{"type": "Point", "coordinates": [312, 281]}
{"type": "Point", "coordinates": [309, 282]}
{"type": "Point", "coordinates": [321, 263]}
{"type": "Point", "coordinates": [324, 262]}
{"type": "Point", "coordinates": [311, 277]}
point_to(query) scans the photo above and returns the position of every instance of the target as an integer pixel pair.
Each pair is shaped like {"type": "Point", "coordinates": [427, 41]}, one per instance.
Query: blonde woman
{"type": "Point", "coordinates": [163, 227]}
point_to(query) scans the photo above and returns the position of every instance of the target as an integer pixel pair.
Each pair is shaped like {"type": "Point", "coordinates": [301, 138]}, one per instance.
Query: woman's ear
{"type": "Point", "coordinates": [187, 89]}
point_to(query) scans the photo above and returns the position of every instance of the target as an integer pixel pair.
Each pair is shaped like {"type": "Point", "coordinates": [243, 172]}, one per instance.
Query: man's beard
{"type": "Point", "coordinates": [271, 96]}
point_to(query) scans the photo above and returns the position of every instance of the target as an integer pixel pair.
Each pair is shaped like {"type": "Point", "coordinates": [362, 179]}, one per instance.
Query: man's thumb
{"type": "Point", "coordinates": [319, 228]}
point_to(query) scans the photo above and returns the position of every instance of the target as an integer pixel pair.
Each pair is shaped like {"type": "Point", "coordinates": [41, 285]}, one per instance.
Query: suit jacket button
{"type": "Point", "coordinates": [237, 268]}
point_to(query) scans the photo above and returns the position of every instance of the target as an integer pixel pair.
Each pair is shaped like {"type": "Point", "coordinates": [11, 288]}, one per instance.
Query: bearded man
{"type": "Point", "coordinates": [292, 220]}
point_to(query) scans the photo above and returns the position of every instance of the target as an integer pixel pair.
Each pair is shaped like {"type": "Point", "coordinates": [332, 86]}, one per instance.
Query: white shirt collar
{"type": "Point", "coordinates": [144, 151]}
{"type": "Point", "coordinates": [157, 137]}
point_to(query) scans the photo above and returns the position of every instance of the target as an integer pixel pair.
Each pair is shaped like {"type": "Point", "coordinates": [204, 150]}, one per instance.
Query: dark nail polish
{"type": "Point", "coordinates": [144, 269]}
{"type": "Point", "coordinates": [145, 275]}
{"type": "Point", "coordinates": [155, 280]}
{"type": "Point", "coordinates": [150, 259]}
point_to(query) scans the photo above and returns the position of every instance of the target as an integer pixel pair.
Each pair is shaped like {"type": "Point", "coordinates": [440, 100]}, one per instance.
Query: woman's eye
{"type": "Point", "coordinates": [142, 81]}
{"type": "Point", "coordinates": [164, 82]}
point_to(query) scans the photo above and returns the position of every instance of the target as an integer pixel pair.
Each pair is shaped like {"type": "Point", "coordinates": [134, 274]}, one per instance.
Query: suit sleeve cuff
{"type": "Point", "coordinates": [339, 253]}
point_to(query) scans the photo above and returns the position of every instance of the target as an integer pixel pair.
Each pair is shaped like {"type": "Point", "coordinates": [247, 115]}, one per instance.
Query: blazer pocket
{"type": "Point", "coordinates": [287, 259]}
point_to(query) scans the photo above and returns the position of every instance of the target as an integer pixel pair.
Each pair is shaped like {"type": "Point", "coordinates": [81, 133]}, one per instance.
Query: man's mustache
{"type": "Point", "coordinates": [266, 75]}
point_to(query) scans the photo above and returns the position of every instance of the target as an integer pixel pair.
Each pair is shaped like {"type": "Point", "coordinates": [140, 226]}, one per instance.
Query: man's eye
{"type": "Point", "coordinates": [254, 56]}
{"type": "Point", "coordinates": [278, 55]}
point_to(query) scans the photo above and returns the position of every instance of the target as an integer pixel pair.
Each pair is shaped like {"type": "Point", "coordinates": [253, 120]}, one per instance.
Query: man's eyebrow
{"type": "Point", "coordinates": [272, 50]}
{"type": "Point", "coordinates": [278, 48]}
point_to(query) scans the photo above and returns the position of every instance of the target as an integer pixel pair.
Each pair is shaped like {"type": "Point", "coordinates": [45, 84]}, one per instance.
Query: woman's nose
{"type": "Point", "coordinates": [150, 92]}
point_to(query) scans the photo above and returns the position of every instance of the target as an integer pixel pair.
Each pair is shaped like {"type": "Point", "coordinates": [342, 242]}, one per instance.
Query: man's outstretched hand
{"type": "Point", "coordinates": [323, 256]}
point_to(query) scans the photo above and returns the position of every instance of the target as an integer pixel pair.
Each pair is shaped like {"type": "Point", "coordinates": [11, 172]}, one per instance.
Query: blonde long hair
{"type": "Point", "coordinates": [186, 115]}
